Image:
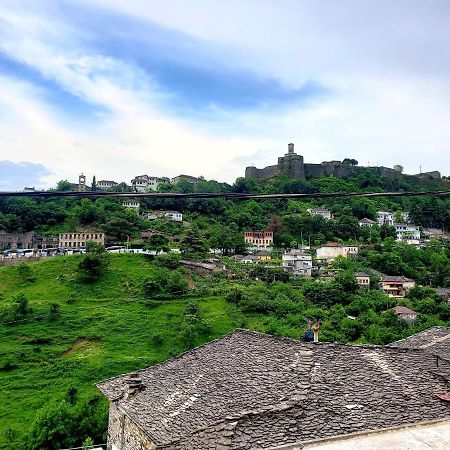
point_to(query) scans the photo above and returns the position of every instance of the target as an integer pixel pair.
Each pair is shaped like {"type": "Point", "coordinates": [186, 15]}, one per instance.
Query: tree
{"type": "Point", "coordinates": [63, 185]}
{"type": "Point", "coordinates": [94, 263]}
{"type": "Point", "coordinates": [193, 245]}
{"type": "Point", "coordinates": [350, 162]}
{"type": "Point", "coordinates": [398, 168]}
{"type": "Point", "coordinates": [157, 242]}
{"type": "Point", "coordinates": [94, 184]}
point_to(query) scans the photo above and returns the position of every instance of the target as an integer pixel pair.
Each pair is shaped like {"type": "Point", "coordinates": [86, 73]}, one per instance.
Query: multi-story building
{"type": "Point", "coordinates": [132, 204]}
{"type": "Point", "coordinates": [104, 185]}
{"type": "Point", "coordinates": [409, 234]}
{"type": "Point", "coordinates": [327, 215]}
{"type": "Point", "coordinates": [190, 178]}
{"type": "Point", "coordinates": [396, 287]}
{"type": "Point", "coordinates": [259, 239]}
{"type": "Point", "coordinates": [79, 239]}
{"type": "Point", "coordinates": [45, 242]}
{"type": "Point", "coordinates": [385, 218]}
{"type": "Point", "coordinates": [297, 262]}
{"type": "Point", "coordinates": [173, 216]}
{"type": "Point", "coordinates": [332, 250]}
{"type": "Point", "coordinates": [145, 183]}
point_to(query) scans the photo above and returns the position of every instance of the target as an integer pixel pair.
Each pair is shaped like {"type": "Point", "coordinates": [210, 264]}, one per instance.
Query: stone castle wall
{"type": "Point", "coordinates": [293, 166]}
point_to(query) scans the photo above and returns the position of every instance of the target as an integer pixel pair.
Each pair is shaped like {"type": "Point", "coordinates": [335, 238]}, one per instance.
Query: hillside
{"type": "Point", "coordinates": [104, 330]}
{"type": "Point", "coordinates": [51, 358]}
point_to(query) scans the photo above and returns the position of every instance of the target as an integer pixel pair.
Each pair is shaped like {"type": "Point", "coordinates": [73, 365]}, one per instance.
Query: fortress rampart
{"type": "Point", "coordinates": [293, 166]}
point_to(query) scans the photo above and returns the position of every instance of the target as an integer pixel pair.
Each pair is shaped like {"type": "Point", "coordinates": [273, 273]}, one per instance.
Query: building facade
{"type": "Point", "coordinates": [77, 240]}
{"type": "Point", "coordinates": [297, 262]}
{"type": "Point", "coordinates": [396, 286]}
{"type": "Point", "coordinates": [145, 183]}
{"type": "Point", "coordinates": [362, 279]}
{"type": "Point", "coordinates": [320, 212]}
{"type": "Point", "coordinates": [104, 185]}
{"type": "Point", "coordinates": [190, 178]}
{"type": "Point", "coordinates": [132, 204]}
{"type": "Point", "coordinates": [259, 239]}
{"type": "Point", "coordinates": [385, 218]}
{"type": "Point", "coordinates": [409, 234]}
{"type": "Point", "coordinates": [173, 216]}
{"type": "Point", "coordinates": [367, 223]}
{"type": "Point", "coordinates": [332, 250]}
{"type": "Point", "coordinates": [14, 241]}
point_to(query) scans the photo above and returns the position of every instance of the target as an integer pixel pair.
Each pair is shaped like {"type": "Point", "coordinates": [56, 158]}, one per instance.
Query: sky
{"type": "Point", "coordinates": [118, 88]}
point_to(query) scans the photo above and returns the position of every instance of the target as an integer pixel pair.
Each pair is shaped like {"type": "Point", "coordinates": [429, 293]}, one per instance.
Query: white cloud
{"type": "Point", "coordinates": [383, 106]}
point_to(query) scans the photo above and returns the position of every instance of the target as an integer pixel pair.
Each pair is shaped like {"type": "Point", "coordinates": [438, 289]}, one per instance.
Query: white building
{"type": "Point", "coordinates": [362, 279]}
{"type": "Point", "coordinates": [145, 183]}
{"type": "Point", "coordinates": [385, 218]}
{"type": "Point", "coordinates": [190, 178]}
{"type": "Point", "coordinates": [173, 216]}
{"type": "Point", "coordinates": [77, 240]}
{"type": "Point", "coordinates": [332, 250]}
{"type": "Point", "coordinates": [103, 185]}
{"type": "Point", "coordinates": [366, 223]}
{"type": "Point", "coordinates": [320, 212]}
{"type": "Point", "coordinates": [132, 204]}
{"type": "Point", "coordinates": [409, 234]}
{"type": "Point", "coordinates": [297, 262]}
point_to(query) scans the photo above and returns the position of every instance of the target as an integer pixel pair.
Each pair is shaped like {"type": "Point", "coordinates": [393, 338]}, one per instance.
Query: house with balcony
{"type": "Point", "coordinates": [146, 183]}
{"type": "Point", "coordinates": [396, 286]}
{"type": "Point", "coordinates": [409, 234]}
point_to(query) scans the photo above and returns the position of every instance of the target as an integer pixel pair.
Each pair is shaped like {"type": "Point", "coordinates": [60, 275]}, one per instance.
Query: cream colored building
{"type": "Point", "coordinates": [332, 250]}
{"type": "Point", "coordinates": [77, 240]}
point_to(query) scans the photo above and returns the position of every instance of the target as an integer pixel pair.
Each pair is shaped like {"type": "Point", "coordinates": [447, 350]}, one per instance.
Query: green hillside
{"type": "Point", "coordinates": [60, 335]}
{"type": "Point", "coordinates": [104, 330]}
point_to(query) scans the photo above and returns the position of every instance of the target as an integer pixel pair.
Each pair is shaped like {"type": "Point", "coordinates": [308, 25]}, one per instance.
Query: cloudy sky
{"type": "Point", "coordinates": [118, 88]}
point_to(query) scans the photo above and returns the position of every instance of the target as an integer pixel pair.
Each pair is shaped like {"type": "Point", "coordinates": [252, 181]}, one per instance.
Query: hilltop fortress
{"type": "Point", "coordinates": [293, 166]}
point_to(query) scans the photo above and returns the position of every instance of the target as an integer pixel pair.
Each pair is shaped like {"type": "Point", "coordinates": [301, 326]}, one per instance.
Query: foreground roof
{"type": "Point", "coordinates": [250, 390]}
{"type": "Point", "coordinates": [435, 340]}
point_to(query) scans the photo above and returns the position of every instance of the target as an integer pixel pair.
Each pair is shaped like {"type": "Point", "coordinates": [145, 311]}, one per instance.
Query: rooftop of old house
{"type": "Point", "coordinates": [435, 340]}
{"type": "Point", "coordinates": [253, 390]}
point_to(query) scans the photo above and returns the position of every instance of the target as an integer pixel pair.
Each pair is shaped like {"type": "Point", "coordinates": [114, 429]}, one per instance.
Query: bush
{"type": "Point", "coordinates": [163, 282]}
{"type": "Point", "coordinates": [156, 339]}
{"type": "Point", "coordinates": [54, 311]}
{"type": "Point", "coordinates": [93, 264]}
{"type": "Point", "coordinates": [168, 260]}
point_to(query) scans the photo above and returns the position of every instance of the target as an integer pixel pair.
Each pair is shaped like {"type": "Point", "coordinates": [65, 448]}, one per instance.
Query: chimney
{"type": "Point", "coordinates": [133, 384]}
{"type": "Point", "coordinates": [315, 329]}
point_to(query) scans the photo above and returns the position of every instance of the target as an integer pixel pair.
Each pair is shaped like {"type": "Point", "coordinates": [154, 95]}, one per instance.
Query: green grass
{"type": "Point", "coordinates": [105, 329]}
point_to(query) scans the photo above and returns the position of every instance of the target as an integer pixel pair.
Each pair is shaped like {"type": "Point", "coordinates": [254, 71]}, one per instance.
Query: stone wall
{"type": "Point", "coordinates": [124, 434]}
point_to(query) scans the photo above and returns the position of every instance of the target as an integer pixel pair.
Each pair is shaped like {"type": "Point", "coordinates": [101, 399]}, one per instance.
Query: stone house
{"type": "Point", "coordinates": [246, 259]}
{"type": "Point", "coordinates": [262, 256]}
{"type": "Point", "coordinates": [362, 279]}
{"type": "Point", "coordinates": [297, 262]}
{"type": "Point", "coordinates": [396, 286]}
{"type": "Point", "coordinates": [250, 390]}
{"type": "Point", "coordinates": [404, 313]}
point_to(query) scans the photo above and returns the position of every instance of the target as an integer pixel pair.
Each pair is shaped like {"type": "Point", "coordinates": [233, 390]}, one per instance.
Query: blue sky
{"type": "Point", "coordinates": [116, 88]}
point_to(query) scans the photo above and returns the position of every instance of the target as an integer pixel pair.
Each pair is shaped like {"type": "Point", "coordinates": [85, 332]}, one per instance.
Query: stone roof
{"type": "Point", "coordinates": [403, 310]}
{"type": "Point", "coordinates": [366, 220]}
{"type": "Point", "coordinates": [361, 274]}
{"type": "Point", "coordinates": [250, 390]}
{"type": "Point", "coordinates": [395, 279]}
{"type": "Point", "coordinates": [435, 340]}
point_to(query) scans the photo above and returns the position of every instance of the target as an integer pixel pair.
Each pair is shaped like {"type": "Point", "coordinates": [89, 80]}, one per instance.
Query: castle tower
{"type": "Point", "coordinates": [82, 183]}
{"type": "Point", "coordinates": [291, 149]}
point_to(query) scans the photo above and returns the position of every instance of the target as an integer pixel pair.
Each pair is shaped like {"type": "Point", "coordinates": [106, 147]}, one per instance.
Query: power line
{"type": "Point", "coordinates": [213, 195]}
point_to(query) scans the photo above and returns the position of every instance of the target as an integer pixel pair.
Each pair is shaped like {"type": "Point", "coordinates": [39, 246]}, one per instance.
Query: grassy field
{"type": "Point", "coordinates": [105, 329]}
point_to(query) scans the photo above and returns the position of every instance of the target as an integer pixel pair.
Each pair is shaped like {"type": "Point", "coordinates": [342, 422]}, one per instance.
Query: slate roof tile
{"type": "Point", "coordinates": [250, 390]}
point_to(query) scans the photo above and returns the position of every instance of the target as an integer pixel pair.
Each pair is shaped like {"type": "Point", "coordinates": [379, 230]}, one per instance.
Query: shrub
{"type": "Point", "coordinates": [54, 311]}
{"type": "Point", "coordinates": [156, 339]}
{"type": "Point", "coordinates": [168, 260]}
